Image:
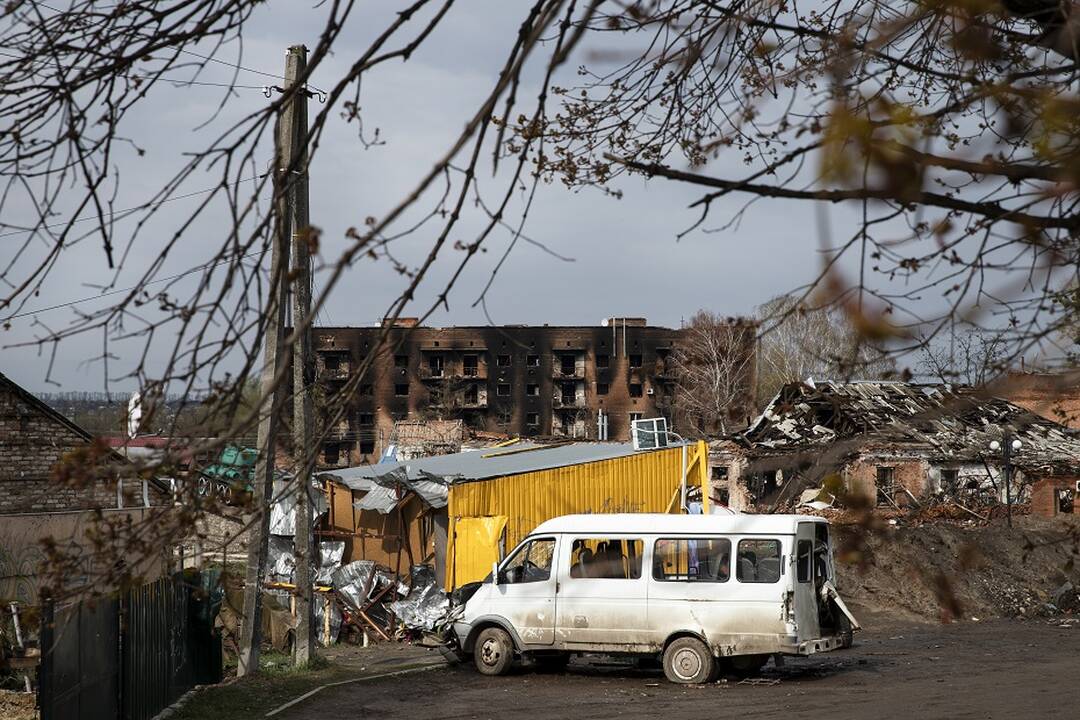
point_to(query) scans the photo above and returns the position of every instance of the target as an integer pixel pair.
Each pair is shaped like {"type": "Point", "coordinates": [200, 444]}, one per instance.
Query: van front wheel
{"type": "Point", "coordinates": [687, 660]}
{"type": "Point", "coordinates": [494, 651]}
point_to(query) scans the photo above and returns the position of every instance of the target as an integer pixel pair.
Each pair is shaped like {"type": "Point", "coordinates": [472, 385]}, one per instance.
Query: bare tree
{"type": "Point", "coordinates": [803, 342]}
{"type": "Point", "coordinates": [715, 365]}
{"type": "Point", "coordinates": [973, 357]}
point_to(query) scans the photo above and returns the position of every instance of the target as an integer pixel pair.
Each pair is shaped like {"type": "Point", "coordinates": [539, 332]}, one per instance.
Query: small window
{"type": "Point", "coordinates": [503, 389]}
{"type": "Point", "coordinates": [366, 390]}
{"type": "Point", "coordinates": [692, 559]}
{"type": "Point", "coordinates": [601, 388]}
{"type": "Point", "coordinates": [331, 362]}
{"type": "Point", "coordinates": [435, 365]}
{"type": "Point", "coordinates": [532, 360]}
{"type": "Point", "coordinates": [635, 361]}
{"type": "Point", "coordinates": [401, 361]}
{"type": "Point", "coordinates": [634, 417]}
{"type": "Point", "coordinates": [470, 365]}
{"type": "Point", "coordinates": [602, 361]}
{"type": "Point", "coordinates": [401, 389]}
{"type": "Point", "coordinates": [471, 395]}
{"type": "Point", "coordinates": [331, 453]}
{"type": "Point", "coordinates": [503, 360]}
{"type": "Point", "coordinates": [531, 563]}
{"type": "Point", "coordinates": [608, 558]}
{"type": "Point", "coordinates": [950, 478]}
{"type": "Point", "coordinates": [365, 419]}
{"type": "Point", "coordinates": [758, 561]}
{"type": "Point", "coordinates": [504, 416]}
{"type": "Point", "coordinates": [720, 473]}
{"type": "Point", "coordinates": [804, 554]}
{"type": "Point", "coordinates": [635, 390]}
{"type": "Point", "coordinates": [367, 446]}
{"type": "Point", "coordinates": [532, 389]}
{"type": "Point", "coordinates": [532, 419]}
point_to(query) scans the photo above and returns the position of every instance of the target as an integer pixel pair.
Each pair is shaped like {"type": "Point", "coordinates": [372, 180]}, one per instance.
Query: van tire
{"type": "Point", "coordinates": [494, 651]}
{"type": "Point", "coordinates": [688, 661]}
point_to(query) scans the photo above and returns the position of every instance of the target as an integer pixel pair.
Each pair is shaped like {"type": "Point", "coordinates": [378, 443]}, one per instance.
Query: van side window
{"type": "Point", "coordinates": [758, 561]}
{"type": "Point", "coordinates": [531, 563]}
{"type": "Point", "coordinates": [805, 555]}
{"type": "Point", "coordinates": [611, 558]}
{"type": "Point", "coordinates": [692, 559]}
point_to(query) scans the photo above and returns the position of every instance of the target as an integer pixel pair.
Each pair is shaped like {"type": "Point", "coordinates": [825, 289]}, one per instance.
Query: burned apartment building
{"type": "Point", "coordinates": [585, 382]}
{"type": "Point", "coordinates": [894, 444]}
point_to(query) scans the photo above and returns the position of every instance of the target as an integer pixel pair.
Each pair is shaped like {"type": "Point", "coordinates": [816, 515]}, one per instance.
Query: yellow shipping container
{"type": "Point", "coordinates": [648, 481]}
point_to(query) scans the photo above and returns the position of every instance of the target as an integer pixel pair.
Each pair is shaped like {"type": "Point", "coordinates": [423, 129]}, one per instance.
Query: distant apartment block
{"type": "Point", "coordinates": [586, 382]}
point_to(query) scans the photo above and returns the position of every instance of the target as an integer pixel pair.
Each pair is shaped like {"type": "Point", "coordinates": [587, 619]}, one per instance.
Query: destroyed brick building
{"type": "Point", "coordinates": [586, 382]}
{"type": "Point", "coordinates": [895, 444]}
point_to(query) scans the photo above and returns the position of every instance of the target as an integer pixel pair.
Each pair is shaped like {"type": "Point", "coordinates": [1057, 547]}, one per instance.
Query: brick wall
{"type": "Point", "coordinates": [32, 441]}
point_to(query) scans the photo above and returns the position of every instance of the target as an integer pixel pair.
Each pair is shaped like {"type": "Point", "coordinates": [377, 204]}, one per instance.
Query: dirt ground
{"type": "Point", "coordinates": [898, 669]}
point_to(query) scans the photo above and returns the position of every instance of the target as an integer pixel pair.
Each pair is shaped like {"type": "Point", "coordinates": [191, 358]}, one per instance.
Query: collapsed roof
{"type": "Point", "coordinates": [941, 422]}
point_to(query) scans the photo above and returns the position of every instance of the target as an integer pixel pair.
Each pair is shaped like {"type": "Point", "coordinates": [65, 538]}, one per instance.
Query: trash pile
{"type": "Point", "coordinates": [358, 601]}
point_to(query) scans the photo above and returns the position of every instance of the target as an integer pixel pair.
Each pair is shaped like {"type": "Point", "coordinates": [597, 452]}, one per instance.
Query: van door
{"type": "Point", "coordinates": [525, 593]}
{"type": "Point", "coordinates": [806, 602]}
{"type": "Point", "coordinates": [602, 593]}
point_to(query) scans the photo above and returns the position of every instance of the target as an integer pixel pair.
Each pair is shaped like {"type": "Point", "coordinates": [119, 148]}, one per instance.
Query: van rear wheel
{"type": "Point", "coordinates": [687, 660]}
{"type": "Point", "coordinates": [494, 652]}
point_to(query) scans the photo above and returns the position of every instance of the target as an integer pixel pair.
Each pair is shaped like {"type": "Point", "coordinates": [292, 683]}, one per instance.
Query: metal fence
{"type": "Point", "coordinates": [129, 657]}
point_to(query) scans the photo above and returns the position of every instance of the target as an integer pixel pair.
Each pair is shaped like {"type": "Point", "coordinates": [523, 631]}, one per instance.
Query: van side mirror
{"type": "Point", "coordinates": [494, 573]}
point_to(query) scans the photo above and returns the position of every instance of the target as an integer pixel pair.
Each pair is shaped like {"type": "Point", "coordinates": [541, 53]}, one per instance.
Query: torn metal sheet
{"type": "Point", "coordinates": [379, 498]}
{"type": "Point", "coordinates": [353, 582]}
{"type": "Point", "coordinates": [280, 560]}
{"type": "Point", "coordinates": [330, 554]}
{"type": "Point", "coordinates": [283, 506]}
{"type": "Point", "coordinates": [327, 635]}
{"type": "Point", "coordinates": [426, 606]}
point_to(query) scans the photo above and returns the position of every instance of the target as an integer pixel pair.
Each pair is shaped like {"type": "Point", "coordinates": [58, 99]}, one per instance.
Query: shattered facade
{"type": "Point", "coordinates": [583, 382]}
{"type": "Point", "coordinates": [890, 443]}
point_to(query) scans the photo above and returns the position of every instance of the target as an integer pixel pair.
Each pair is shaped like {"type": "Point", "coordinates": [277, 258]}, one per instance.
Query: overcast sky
{"type": "Point", "coordinates": [625, 257]}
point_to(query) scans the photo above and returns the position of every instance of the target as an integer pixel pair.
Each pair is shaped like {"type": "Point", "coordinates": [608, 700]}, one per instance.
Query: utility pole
{"type": "Point", "coordinates": [272, 395]}
{"type": "Point", "coordinates": [303, 364]}
{"type": "Point", "coordinates": [291, 236]}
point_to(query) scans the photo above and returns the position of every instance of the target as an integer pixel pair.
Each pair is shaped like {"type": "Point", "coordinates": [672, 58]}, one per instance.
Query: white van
{"type": "Point", "coordinates": [702, 592]}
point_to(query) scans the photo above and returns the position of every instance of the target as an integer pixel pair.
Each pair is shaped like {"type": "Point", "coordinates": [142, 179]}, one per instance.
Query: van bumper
{"type": "Point", "coordinates": [818, 645]}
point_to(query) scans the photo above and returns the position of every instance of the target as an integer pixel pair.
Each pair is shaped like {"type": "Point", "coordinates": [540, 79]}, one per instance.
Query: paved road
{"type": "Point", "coordinates": [999, 669]}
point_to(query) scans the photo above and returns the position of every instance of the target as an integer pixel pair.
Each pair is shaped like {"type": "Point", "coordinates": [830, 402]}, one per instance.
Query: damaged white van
{"type": "Point", "coordinates": [703, 593]}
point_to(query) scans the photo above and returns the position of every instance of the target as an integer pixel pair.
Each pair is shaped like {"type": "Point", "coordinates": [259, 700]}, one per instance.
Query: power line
{"type": "Point", "coordinates": [125, 212]}
{"type": "Point", "coordinates": [126, 290]}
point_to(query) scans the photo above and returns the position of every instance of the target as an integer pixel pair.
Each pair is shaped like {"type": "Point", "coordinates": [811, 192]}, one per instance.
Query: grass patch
{"type": "Point", "coordinates": [253, 697]}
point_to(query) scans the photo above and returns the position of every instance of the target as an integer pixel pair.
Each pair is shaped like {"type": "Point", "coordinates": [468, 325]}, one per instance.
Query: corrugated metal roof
{"type": "Point", "coordinates": [484, 464]}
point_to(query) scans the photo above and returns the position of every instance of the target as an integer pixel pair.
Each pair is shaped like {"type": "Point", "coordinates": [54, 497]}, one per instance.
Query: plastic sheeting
{"type": "Point", "coordinates": [330, 554]}
{"type": "Point", "coordinates": [283, 506]}
{"type": "Point", "coordinates": [426, 606]}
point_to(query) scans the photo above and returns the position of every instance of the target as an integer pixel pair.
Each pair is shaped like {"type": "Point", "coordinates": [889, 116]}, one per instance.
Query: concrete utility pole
{"type": "Point", "coordinates": [291, 234]}
{"type": "Point", "coordinates": [303, 364]}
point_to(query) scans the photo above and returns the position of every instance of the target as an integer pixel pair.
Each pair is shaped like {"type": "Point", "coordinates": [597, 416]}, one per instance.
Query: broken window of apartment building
{"type": "Point", "coordinates": [365, 419]}
{"type": "Point", "coordinates": [503, 389]}
{"type": "Point", "coordinates": [401, 389]}
{"type": "Point", "coordinates": [367, 446]}
{"type": "Point", "coordinates": [470, 365]}
{"type": "Point", "coordinates": [634, 417]}
{"type": "Point", "coordinates": [635, 361]}
{"type": "Point", "coordinates": [603, 361]}
{"type": "Point", "coordinates": [435, 365]}
{"type": "Point", "coordinates": [503, 360]}
{"type": "Point", "coordinates": [532, 419]}
{"type": "Point", "coordinates": [532, 360]}
{"type": "Point", "coordinates": [332, 361]}
{"type": "Point", "coordinates": [950, 480]}
{"type": "Point", "coordinates": [532, 389]}
{"type": "Point", "coordinates": [471, 396]}
{"type": "Point", "coordinates": [366, 390]}
{"type": "Point", "coordinates": [331, 453]}
{"type": "Point", "coordinates": [567, 393]}
{"type": "Point", "coordinates": [401, 361]}
{"type": "Point", "coordinates": [636, 390]}
{"type": "Point", "coordinates": [567, 366]}
{"type": "Point", "coordinates": [504, 416]}
{"type": "Point", "coordinates": [601, 388]}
